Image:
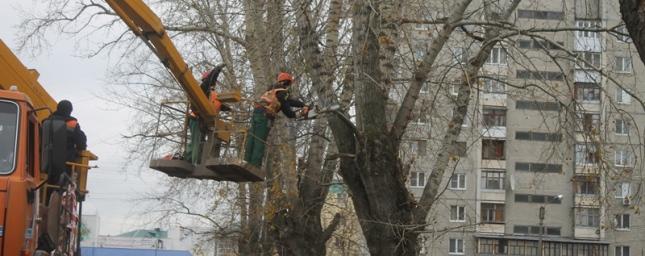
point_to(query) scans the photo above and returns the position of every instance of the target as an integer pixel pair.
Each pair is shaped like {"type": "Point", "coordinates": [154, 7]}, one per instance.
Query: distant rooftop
{"type": "Point", "coordinates": [146, 233]}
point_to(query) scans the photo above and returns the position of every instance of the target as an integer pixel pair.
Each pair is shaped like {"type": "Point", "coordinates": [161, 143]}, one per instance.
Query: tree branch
{"type": "Point", "coordinates": [404, 114]}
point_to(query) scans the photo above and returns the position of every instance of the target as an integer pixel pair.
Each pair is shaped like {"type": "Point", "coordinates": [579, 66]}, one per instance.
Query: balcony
{"type": "Point", "coordinates": [493, 99]}
{"type": "Point", "coordinates": [494, 132]}
{"type": "Point", "coordinates": [493, 164]}
{"type": "Point", "coordinates": [491, 228]}
{"type": "Point", "coordinates": [586, 76]}
{"type": "Point", "coordinates": [587, 41]}
{"type": "Point", "coordinates": [587, 44]}
{"type": "Point", "coordinates": [493, 195]}
{"type": "Point", "coordinates": [587, 170]}
{"type": "Point", "coordinates": [587, 200]}
{"type": "Point", "coordinates": [586, 232]}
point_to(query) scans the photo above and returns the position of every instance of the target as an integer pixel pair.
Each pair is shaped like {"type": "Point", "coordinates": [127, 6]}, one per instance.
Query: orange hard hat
{"type": "Point", "coordinates": [284, 76]}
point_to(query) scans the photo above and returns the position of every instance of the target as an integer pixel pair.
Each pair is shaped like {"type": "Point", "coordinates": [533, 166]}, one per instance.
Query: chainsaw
{"type": "Point", "coordinates": [315, 112]}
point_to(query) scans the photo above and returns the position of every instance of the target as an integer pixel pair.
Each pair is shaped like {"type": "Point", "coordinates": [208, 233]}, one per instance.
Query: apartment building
{"type": "Point", "coordinates": [550, 152]}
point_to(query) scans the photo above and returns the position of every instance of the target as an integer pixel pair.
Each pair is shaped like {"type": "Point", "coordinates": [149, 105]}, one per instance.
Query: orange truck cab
{"type": "Point", "coordinates": [19, 174]}
{"type": "Point", "coordinates": [26, 222]}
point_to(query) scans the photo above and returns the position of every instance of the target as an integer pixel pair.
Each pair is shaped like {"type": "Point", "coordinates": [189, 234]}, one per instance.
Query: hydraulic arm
{"type": "Point", "coordinates": [145, 24]}
{"type": "Point", "coordinates": [13, 72]}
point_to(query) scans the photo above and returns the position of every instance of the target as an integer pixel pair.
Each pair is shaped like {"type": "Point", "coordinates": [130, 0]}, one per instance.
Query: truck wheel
{"type": "Point", "coordinates": [53, 217]}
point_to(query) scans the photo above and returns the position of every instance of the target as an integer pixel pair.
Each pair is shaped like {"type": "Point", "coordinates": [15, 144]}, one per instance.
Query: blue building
{"type": "Point", "coordinates": [98, 251]}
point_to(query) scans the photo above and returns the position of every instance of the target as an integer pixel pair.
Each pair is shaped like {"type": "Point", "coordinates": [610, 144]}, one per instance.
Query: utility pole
{"type": "Point", "coordinates": [540, 244]}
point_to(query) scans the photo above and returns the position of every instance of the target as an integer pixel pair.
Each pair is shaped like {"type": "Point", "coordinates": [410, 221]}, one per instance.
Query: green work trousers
{"type": "Point", "coordinates": [193, 149]}
{"type": "Point", "coordinates": [256, 139]}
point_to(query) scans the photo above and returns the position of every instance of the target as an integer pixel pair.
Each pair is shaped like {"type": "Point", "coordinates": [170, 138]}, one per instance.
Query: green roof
{"type": "Point", "coordinates": [336, 188]}
{"type": "Point", "coordinates": [146, 233]}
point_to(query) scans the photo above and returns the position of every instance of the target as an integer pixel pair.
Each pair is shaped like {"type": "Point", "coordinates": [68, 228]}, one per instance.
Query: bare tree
{"type": "Point", "coordinates": [355, 54]}
{"type": "Point", "coordinates": [253, 39]}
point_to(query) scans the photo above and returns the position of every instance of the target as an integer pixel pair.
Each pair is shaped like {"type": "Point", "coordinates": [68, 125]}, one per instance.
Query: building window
{"type": "Point", "coordinates": [537, 105]}
{"type": "Point", "coordinates": [539, 75]}
{"type": "Point", "coordinates": [587, 92]}
{"type": "Point", "coordinates": [457, 213]}
{"type": "Point", "coordinates": [493, 179]}
{"type": "Point", "coordinates": [622, 221]}
{"type": "Point", "coordinates": [622, 127]}
{"type": "Point", "coordinates": [588, 122]}
{"type": "Point", "coordinates": [587, 185]}
{"type": "Point", "coordinates": [538, 167]}
{"type": "Point", "coordinates": [456, 246]}
{"type": "Point", "coordinates": [526, 198]}
{"type": "Point", "coordinates": [493, 246]}
{"type": "Point", "coordinates": [622, 157]}
{"type": "Point", "coordinates": [587, 9]}
{"type": "Point", "coordinates": [539, 44]}
{"type": "Point", "coordinates": [622, 96]}
{"type": "Point", "coordinates": [454, 88]}
{"type": "Point", "coordinates": [493, 149]}
{"type": "Point", "coordinates": [425, 88]}
{"type": "Point", "coordinates": [497, 56]}
{"type": "Point", "coordinates": [588, 60]}
{"type": "Point", "coordinates": [418, 147]}
{"type": "Point", "coordinates": [624, 35]}
{"type": "Point", "coordinates": [587, 24]}
{"type": "Point", "coordinates": [492, 213]}
{"type": "Point", "coordinates": [622, 190]}
{"type": "Point", "coordinates": [535, 230]}
{"type": "Point", "coordinates": [540, 15]}
{"type": "Point", "coordinates": [623, 64]}
{"type": "Point", "coordinates": [553, 231]}
{"type": "Point", "coordinates": [458, 55]}
{"type": "Point", "coordinates": [588, 217]}
{"type": "Point", "coordinates": [421, 119]}
{"type": "Point", "coordinates": [622, 251]}
{"type": "Point", "coordinates": [538, 136]}
{"type": "Point", "coordinates": [494, 116]}
{"type": "Point", "coordinates": [417, 179]}
{"type": "Point", "coordinates": [458, 181]}
{"type": "Point", "coordinates": [494, 86]}
{"type": "Point", "coordinates": [419, 49]}
{"type": "Point", "coordinates": [586, 154]}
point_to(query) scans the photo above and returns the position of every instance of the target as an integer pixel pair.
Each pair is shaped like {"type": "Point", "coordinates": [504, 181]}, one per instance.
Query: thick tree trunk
{"type": "Point", "coordinates": [633, 12]}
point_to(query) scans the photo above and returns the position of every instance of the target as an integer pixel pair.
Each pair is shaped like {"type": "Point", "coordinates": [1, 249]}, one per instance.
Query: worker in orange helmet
{"type": "Point", "coordinates": [195, 126]}
{"type": "Point", "coordinates": [276, 99]}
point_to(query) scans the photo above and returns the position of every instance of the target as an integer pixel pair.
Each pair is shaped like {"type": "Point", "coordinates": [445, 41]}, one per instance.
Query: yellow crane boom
{"type": "Point", "coordinates": [13, 72]}
{"type": "Point", "coordinates": [145, 24]}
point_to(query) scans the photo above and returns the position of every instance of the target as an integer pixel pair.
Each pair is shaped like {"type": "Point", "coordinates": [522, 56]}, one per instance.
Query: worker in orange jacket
{"type": "Point", "coordinates": [195, 126]}
{"type": "Point", "coordinates": [275, 99]}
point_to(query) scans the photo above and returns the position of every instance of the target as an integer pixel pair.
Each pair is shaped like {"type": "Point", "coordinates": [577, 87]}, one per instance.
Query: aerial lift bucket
{"type": "Point", "coordinates": [220, 158]}
{"type": "Point", "coordinates": [220, 161]}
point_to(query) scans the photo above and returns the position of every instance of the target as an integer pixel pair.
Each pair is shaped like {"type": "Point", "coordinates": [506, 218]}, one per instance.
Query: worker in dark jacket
{"type": "Point", "coordinates": [275, 99]}
{"type": "Point", "coordinates": [196, 127]}
{"type": "Point", "coordinates": [75, 139]}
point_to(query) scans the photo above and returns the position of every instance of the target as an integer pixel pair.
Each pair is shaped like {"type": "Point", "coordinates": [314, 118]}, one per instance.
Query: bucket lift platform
{"type": "Point", "coordinates": [215, 165]}
{"type": "Point", "coordinates": [222, 169]}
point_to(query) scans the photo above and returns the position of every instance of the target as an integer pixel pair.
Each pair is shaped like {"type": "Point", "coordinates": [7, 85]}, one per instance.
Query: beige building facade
{"type": "Point", "coordinates": [552, 146]}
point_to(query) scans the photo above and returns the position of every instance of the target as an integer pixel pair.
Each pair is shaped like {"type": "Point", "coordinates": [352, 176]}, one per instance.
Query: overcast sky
{"type": "Point", "coordinates": [80, 80]}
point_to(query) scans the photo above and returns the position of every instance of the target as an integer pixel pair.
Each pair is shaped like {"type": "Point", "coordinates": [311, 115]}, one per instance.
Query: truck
{"type": "Point", "coordinates": [25, 218]}
{"type": "Point", "coordinates": [35, 224]}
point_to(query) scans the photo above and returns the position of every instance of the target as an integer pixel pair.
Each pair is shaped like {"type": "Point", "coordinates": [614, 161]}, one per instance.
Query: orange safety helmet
{"type": "Point", "coordinates": [284, 76]}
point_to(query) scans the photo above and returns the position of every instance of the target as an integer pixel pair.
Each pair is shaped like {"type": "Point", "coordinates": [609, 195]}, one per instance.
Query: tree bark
{"type": "Point", "coordinates": [633, 12]}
